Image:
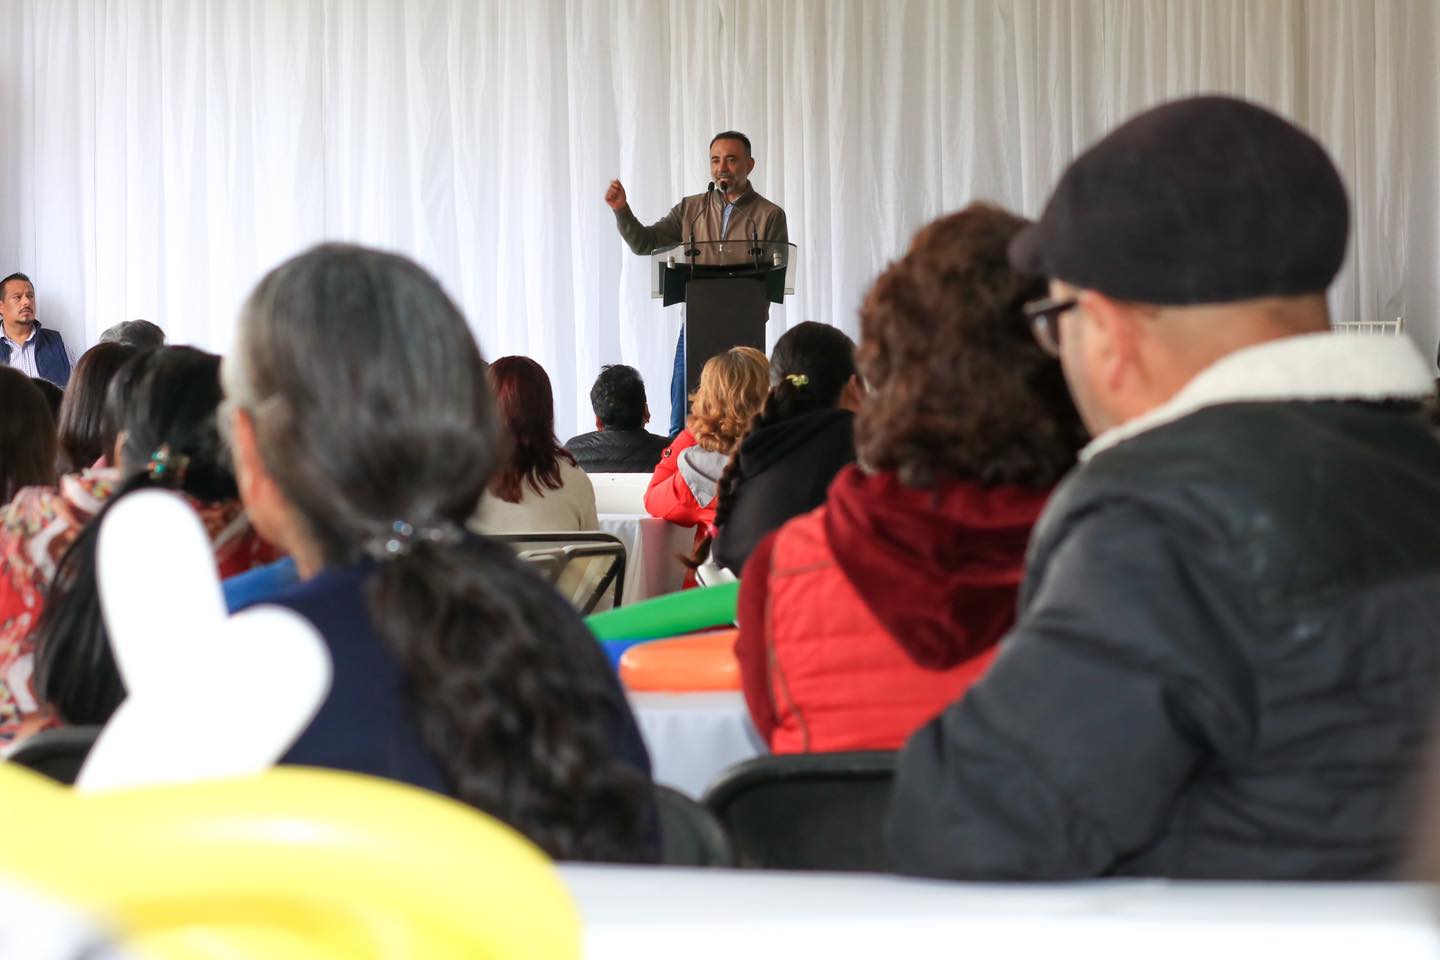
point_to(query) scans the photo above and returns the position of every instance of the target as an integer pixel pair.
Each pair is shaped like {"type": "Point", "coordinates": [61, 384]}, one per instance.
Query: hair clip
{"type": "Point", "coordinates": [400, 538]}
{"type": "Point", "coordinates": [798, 379]}
{"type": "Point", "coordinates": [167, 467]}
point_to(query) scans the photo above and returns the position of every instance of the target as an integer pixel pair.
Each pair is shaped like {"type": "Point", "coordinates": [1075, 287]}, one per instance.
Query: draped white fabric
{"type": "Point", "coordinates": [162, 154]}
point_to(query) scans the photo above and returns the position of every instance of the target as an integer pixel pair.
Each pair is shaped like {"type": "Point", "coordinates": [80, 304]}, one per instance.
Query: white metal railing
{"type": "Point", "coordinates": [1380, 328]}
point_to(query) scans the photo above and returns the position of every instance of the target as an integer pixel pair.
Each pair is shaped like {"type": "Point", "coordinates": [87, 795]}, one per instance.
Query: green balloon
{"type": "Point", "coordinates": [669, 615]}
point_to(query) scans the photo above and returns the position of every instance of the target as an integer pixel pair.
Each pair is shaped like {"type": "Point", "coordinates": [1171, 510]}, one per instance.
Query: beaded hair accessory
{"type": "Point", "coordinates": [167, 467]}
{"type": "Point", "coordinates": [797, 379]}
{"type": "Point", "coordinates": [401, 538]}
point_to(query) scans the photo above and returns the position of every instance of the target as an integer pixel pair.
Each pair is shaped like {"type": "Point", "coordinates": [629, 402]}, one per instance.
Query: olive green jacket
{"type": "Point", "coordinates": [751, 210]}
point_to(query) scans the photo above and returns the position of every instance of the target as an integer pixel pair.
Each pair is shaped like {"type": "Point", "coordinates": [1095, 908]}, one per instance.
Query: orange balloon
{"type": "Point", "coordinates": [703, 661]}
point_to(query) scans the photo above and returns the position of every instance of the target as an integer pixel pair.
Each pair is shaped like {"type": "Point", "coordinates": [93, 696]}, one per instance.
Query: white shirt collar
{"type": "Point", "coordinates": [1314, 366]}
{"type": "Point", "coordinates": [34, 329]}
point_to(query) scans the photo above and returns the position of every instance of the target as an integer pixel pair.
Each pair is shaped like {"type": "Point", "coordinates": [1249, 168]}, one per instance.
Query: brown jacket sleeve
{"type": "Point", "coordinates": [775, 227]}
{"type": "Point", "coordinates": [644, 240]}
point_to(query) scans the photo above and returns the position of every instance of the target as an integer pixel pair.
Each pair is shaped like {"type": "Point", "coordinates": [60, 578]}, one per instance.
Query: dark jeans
{"type": "Point", "coordinates": [679, 406]}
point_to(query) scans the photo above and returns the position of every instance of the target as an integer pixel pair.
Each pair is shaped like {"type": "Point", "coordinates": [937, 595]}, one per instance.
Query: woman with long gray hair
{"type": "Point", "coordinates": [364, 434]}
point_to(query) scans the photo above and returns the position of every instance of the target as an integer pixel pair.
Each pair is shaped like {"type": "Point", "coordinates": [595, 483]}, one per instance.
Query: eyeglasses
{"type": "Point", "coordinates": [1044, 319]}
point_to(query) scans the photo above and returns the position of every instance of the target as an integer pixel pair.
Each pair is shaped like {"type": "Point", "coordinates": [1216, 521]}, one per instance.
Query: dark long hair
{"type": "Point", "coordinates": [370, 405]}
{"type": "Point", "coordinates": [82, 412]}
{"type": "Point", "coordinates": [54, 396]}
{"type": "Point", "coordinates": [527, 415]}
{"type": "Point", "coordinates": [809, 368]}
{"type": "Point", "coordinates": [27, 435]}
{"type": "Point", "coordinates": [173, 406]}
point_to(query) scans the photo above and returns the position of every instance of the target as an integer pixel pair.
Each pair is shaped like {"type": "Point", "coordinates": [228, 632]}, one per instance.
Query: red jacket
{"type": "Point", "coordinates": [863, 619]}
{"type": "Point", "coordinates": [670, 495]}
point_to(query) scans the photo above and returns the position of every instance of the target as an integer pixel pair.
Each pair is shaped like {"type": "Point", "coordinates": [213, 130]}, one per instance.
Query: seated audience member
{"type": "Point", "coordinates": [169, 440]}
{"type": "Point", "coordinates": [731, 392]}
{"type": "Point", "coordinates": [53, 395]}
{"type": "Point", "coordinates": [802, 438]}
{"type": "Point", "coordinates": [82, 415]}
{"type": "Point", "coordinates": [538, 487]}
{"type": "Point", "coordinates": [456, 668]}
{"type": "Point", "coordinates": [37, 527]}
{"type": "Point", "coordinates": [25, 345]}
{"type": "Point", "coordinates": [861, 620]}
{"type": "Point", "coordinates": [27, 435]}
{"type": "Point", "coordinates": [1225, 663]}
{"type": "Point", "coordinates": [140, 334]}
{"type": "Point", "coordinates": [620, 443]}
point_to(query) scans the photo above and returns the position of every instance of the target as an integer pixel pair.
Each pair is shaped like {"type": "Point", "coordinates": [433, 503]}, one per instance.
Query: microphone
{"type": "Point", "coordinates": [724, 192]}
{"type": "Point", "coordinates": [694, 250]}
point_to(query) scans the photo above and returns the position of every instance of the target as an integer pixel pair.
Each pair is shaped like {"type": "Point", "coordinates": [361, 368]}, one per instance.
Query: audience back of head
{"type": "Point", "coordinates": [27, 435]}
{"type": "Point", "coordinates": [732, 389]}
{"type": "Point", "coordinates": [972, 397]}
{"type": "Point", "coordinates": [82, 414]}
{"type": "Point", "coordinates": [618, 398]}
{"type": "Point", "coordinates": [527, 415]}
{"type": "Point", "coordinates": [139, 334]}
{"type": "Point", "coordinates": [810, 367]}
{"type": "Point", "coordinates": [54, 396]}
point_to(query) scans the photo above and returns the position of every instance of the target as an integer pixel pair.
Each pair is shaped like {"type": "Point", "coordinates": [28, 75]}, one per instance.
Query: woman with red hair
{"type": "Point", "coordinates": [540, 488]}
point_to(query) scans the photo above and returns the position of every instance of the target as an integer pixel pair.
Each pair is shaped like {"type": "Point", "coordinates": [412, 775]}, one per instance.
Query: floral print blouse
{"type": "Point", "coordinates": [36, 528]}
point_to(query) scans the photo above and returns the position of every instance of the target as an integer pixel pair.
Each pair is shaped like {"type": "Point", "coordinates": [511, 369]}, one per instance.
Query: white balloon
{"type": "Point", "coordinates": [208, 695]}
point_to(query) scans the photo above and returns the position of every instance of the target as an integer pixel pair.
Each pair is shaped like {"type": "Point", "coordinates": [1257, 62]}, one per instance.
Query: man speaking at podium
{"type": "Point", "coordinates": [734, 210]}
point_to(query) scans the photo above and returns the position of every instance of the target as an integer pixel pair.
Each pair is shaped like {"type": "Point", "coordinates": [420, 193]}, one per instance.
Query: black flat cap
{"type": "Point", "coordinates": [1202, 200]}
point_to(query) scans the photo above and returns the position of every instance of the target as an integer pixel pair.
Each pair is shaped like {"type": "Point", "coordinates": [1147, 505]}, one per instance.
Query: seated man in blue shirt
{"type": "Point", "coordinates": [24, 344]}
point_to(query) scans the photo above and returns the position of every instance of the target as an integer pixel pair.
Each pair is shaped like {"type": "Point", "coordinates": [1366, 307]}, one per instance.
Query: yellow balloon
{"type": "Point", "coordinates": [290, 863]}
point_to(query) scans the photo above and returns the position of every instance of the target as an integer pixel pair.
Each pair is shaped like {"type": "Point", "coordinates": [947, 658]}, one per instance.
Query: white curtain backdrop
{"type": "Point", "coordinates": [160, 155]}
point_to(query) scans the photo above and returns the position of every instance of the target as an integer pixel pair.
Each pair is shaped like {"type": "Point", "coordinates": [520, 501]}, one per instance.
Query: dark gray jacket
{"type": "Point", "coordinates": [617, 451]}
{"type": "Point", "coordinates": [1226, 664]}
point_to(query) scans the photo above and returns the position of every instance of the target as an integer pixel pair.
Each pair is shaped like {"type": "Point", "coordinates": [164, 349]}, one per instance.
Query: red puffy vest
{"type": "Point", "coordinates": [838, 679]}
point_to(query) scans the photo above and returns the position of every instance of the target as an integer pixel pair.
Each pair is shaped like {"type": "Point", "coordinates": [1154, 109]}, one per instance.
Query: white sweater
{"type": "Point", "coordinates": [572, 507]}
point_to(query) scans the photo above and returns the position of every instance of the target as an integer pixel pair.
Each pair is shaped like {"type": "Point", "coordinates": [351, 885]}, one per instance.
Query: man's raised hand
{"type": "Point", "coordinates": [615, 196]}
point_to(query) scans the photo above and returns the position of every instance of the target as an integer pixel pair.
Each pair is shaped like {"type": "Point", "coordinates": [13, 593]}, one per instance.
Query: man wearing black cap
{"type": "Point", "coordinates": [1227, 656]}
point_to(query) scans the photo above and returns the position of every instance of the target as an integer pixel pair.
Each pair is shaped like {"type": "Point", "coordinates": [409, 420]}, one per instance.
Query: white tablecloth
{"type": "Point", "coordinates": [620, 492]}
{"type": "Point", "coordinates": [651, 546]}
{"type": "Point", "coordinates": [693, 737]}
{"type": "Point", "coordinates": [652, 913]}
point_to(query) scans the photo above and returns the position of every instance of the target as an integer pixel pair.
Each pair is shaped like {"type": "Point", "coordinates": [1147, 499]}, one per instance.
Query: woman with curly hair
{"type": "Point", "coordinates": [862, 619]}
{"type": "Point", "coordinates": [364, 433]}
{"type": "Point", "coordinates": [539, 487]}
{"type": "Point", "coordinates": [731, 392]}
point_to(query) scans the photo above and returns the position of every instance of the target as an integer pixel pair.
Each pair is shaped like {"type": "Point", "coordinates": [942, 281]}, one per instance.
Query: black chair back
{"type": "Point", "coordinates": [814, 811]}
{"type": "Point", "coordinates": [689, 835]}
{"type": "Point", "coordinates": [58, 753]}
